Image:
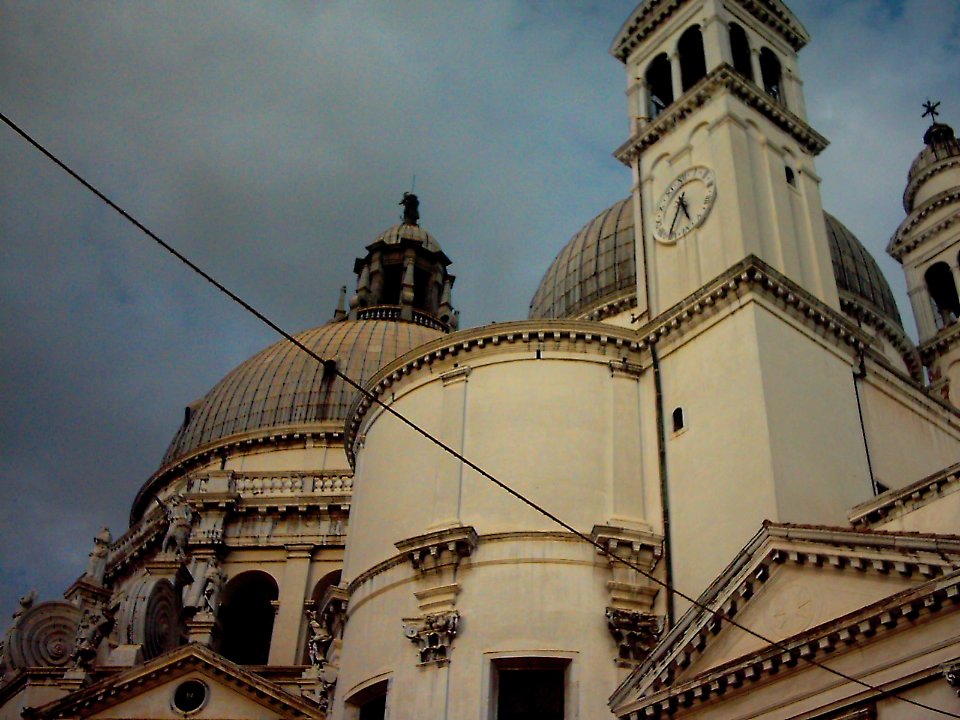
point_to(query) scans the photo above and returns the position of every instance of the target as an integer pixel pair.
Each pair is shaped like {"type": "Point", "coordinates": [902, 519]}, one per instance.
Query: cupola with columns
{"type": "Point", "coordinates": [404, 276]}
{"type": "Point", "coordinates": [720, 148]}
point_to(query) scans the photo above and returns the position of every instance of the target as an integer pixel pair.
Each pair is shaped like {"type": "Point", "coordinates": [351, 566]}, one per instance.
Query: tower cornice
{"type": "Point", "coordinates": [651, 14]}
{"type": "Point", "coordinates": [718, 80]}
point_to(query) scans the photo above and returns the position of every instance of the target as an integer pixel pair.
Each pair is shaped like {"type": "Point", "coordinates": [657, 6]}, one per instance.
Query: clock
{"type": "Point", "coordinates": [685, 204]}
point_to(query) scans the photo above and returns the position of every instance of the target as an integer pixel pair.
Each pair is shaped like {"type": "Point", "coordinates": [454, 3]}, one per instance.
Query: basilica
{"type": "Point", "coordinates": [732, 478]}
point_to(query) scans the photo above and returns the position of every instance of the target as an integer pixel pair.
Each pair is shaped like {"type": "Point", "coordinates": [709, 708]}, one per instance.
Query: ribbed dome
{"type": "Point", "coordinates": [597, 266]}
{"type": "Point", "coordinates": [856, 271]}
{"type": "Point", "coordinates": [282, 386]}
{"type": "Point", "coordinates": [940, 144]}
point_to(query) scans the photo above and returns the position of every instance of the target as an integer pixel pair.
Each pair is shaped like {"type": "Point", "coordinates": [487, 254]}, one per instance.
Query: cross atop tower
{"type": "Point", "coordinates": [930, 108]}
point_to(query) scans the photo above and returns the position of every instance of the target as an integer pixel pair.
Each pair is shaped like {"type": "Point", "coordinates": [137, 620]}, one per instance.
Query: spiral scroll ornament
{"type": "Point", "coordinates": [44, 635]}
{"type": "Point", "coordinates": [151, 617]}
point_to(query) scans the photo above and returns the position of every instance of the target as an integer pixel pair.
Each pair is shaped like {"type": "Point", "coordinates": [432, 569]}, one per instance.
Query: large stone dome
{"type": "Point", "coordinates": [283, 387]}
{"type": "Point", "coordinates": [597, 268]}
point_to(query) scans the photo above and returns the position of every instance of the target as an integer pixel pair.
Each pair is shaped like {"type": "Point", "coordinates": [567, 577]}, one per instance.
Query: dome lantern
{"type": "Point", "coordinates": [404, 276]}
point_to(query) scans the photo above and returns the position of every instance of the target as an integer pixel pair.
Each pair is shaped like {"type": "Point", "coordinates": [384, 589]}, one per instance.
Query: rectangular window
{"type": "Point", "coordinates": [528, 688]}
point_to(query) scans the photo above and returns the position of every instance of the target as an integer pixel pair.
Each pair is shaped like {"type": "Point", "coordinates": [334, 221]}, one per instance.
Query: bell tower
{"type": "Point", "coordinates": [927, 244]}
{"type": "Point", "coordinates": [721, 151]}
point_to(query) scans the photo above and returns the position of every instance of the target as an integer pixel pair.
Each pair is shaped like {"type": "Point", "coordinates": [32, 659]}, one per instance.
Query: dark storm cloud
{"type": "Point", "coordinates": [271, 142]}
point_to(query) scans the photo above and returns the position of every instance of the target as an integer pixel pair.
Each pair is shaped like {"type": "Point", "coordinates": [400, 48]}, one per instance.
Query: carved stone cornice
{"type": "Point", "coordinates": [650, 15]}
{"type": "Point", "coordinates": [894, 503]}
{"type": "Point", "coordinates": [932, 559]}
{"type": "Point", "coordinates": [722, 78]}
{"type": "Point", "coordinates": [857, 307]}
{"type": "Point", "coordinates": [588, 338]}
{"type": "Point", "coordinates": [903, 241]}
{"type": "Point", "coordinates": [438, 550]}
{"type": "Point", "coordinates": [946, 339]}
{"type": "Point", "coordinates": [913, 186]}
{"type": "Point", "coordinates": [899, 610]}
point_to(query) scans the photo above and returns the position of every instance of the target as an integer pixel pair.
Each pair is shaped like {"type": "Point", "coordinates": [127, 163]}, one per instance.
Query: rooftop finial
{"type": "Point", "coordinates": [930, 108]}
{"type": "Point", "coordinates": [411, 209]}
{"type": "Point", "coordinates": [341, 311]}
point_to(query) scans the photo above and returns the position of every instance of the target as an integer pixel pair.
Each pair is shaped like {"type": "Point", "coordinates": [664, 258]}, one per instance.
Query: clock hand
{"type": "Point", "coordinates": [675, 216]}
{"type": "Point", "coordinates": [683, 205]}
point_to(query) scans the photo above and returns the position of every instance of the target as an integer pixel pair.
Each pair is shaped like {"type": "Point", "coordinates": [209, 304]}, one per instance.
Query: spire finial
{"type": "Point", "coordinates": [341, 311]}
{"type": "Point", "coordinates": [930, 108]}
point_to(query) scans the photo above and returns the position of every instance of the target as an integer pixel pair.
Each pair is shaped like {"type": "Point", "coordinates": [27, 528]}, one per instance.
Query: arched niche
{"type": "Point", "coordinates": [693, 61]}
{"type": "Point", "coordinates": [246, 616]}
{"type": "Point", "coordinates": [943, 293]}
{"type": "Point", "coordinates": [740, 50]}
{"type": "Point", "coordinates": [659, 84]}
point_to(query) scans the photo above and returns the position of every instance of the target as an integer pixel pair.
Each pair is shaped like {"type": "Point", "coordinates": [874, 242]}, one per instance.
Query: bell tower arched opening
{"type": "Point", "coordinates": [740, 50]}
{"type": "Point", "coordinates": [943, 294]}
{"type": "Point", "coordinates": [693, 61]}
{"type": "Point", "coordinates": [772, 73]}
{"type": "Point", "coordinates": [660, 84]}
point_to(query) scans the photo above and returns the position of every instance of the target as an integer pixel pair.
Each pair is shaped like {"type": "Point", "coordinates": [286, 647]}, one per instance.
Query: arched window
{"type": "Point", "coordinates": [740, 48]}
{"type": "Point", "coordinates": [678, 422]}
{"type": "Point", "coordinates": [659, 84]}
{"type": "Point", "coordinates": [246, 614]}
{"type": "Point", "coordinates": [770, 69]}
{"type": "Point", "coordinates": [943, 294]}
{"type": "Point", "coordinates": [693, 63]}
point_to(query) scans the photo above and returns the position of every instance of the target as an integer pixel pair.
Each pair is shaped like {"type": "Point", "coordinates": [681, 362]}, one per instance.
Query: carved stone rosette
{"type": "Point", "coordinates": [433, 635]}
{"type": "Point", "coordinates": [43, 635]}
{"type": "Point", "coordinates": [435, 557]}
{"type": "Point", "coordinates": [636, 633]}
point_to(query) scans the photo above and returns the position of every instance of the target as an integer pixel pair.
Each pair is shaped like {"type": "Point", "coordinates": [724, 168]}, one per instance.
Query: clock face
{"type": "Point", "coordinates": [685, 204]}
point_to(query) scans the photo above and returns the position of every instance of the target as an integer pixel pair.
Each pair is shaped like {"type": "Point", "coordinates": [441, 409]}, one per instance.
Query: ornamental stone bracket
{"type": "Point", "coordinates": [433, 635]}
{"type": "Point", "coordinates": [628, 588]}
{"type": "Point", "coordinates": [436, 557]}
{"type": "Point", "coordinates": [636, 634]}
{"type": "Point", "coordinates": [951, 673]}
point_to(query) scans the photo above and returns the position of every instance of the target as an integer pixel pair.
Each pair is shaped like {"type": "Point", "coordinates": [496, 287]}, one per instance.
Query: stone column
{"type": "Point", "coordinates": [923, 311]}
{"type": "Point", "coordinates": [675, 75]}
{"type": "Point", "coordinates": [407, 289]}
{"type": "Point", "coordinates": [638, 99]}
{"type": "Point", "coordinates": [285, 643]}
{"type": "Point", "coordinates": [716, 43]}
{"type": "Point", "coordinates": [755, 61]}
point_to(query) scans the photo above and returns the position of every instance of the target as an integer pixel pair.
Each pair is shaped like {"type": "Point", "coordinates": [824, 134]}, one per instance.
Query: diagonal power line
{"type": "Point", "coordinates": [330, 365]}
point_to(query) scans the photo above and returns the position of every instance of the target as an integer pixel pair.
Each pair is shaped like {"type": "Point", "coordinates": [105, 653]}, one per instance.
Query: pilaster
{"type": "Point", "coordinates": [285, 643]}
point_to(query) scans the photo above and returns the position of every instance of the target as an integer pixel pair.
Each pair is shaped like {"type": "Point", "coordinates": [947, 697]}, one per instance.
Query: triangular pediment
{"type": "Point", "coordinates": [788, 582]}
{"type": "Point", "coordinates": [222, 688]}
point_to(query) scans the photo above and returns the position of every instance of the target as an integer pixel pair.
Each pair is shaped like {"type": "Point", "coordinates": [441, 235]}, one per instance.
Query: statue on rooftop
{"type": "Point", "coordinates": [411, 209]}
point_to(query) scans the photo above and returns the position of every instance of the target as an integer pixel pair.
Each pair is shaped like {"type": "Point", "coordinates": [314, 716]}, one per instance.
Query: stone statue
{"type": "Point", "coordinates": [98, 556]}
{"type": "Point", "coordinates": [317, 642]}
{"type": "Point", "coordinates": [411, 209]}
{"type": "Point", "coordinates": [94, 626]}
{"type": "Point", "coordinates": [180, 517]}
{"type": "Point", "coordinates": [212, 584]}
{"type": "Point", "coordinates": [26, 602]}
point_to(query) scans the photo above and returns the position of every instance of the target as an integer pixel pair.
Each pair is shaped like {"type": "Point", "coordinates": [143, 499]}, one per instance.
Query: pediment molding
{"type": "Point", "coordinates": [895, 503]}
{"type": "Point", "coordinates": [933, 559]}
{"type": "Point", "coordinates": [166, 669]}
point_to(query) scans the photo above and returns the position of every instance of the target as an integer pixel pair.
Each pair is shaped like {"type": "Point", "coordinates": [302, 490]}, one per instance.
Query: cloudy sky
{"type": "Point", "coordinates": [270, 142]}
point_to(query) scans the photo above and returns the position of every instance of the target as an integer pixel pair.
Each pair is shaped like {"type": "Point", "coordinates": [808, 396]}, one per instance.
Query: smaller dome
{"type": "Point", "coordinates": [404, 231]}
{"type": "Point", "coordinates": [596, 267]}
{"type": "Point", "coordinates": [857, 273]}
